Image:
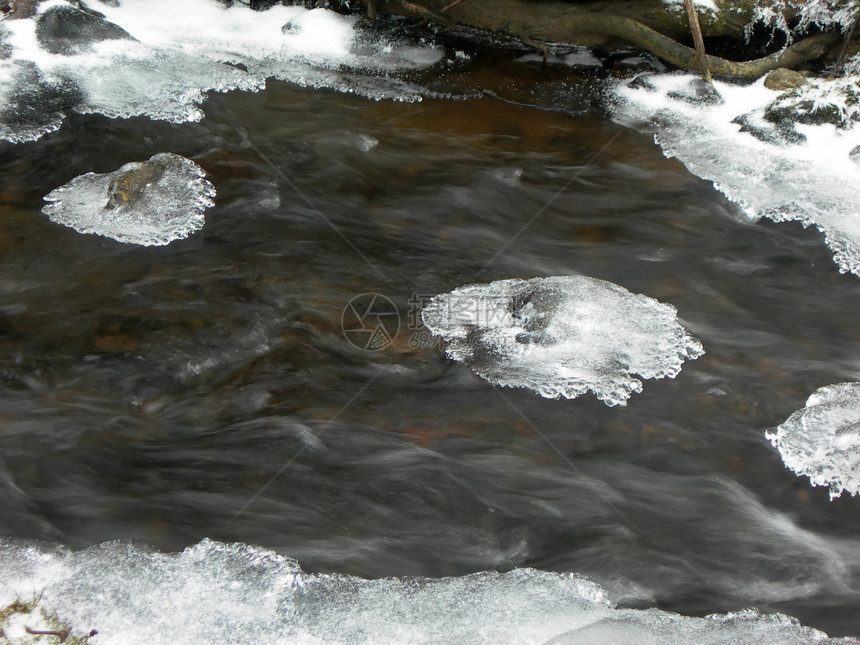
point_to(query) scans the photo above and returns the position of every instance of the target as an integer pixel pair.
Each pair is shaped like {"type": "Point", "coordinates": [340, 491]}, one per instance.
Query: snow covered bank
{"type": "Point", "coordinates": [235, 593]}
{"type": "Point", "coordinates": [802, 172]}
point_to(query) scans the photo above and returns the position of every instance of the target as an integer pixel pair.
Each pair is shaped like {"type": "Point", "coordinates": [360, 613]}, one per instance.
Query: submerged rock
{"type": "Point", "coordinates": [562, 336]}
{"type": "Point", "coordinates": [62, 29]}
{"type": "Point", "coordinates": [822, 441]}
{"type": "Point", "coordinates": [150, 203]}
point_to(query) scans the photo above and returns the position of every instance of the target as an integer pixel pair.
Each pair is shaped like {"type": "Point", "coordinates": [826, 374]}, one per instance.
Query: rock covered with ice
{"type": "Point", "coordinates": [822, 441]}
{"type": "Point", "coordinates": [30, 104]}
{"type": "Point", "coordinates": [783, 171]}
{"type": "Point", "coordinates": [235, 593]}
{"type": "Point", "coordinates": [159, 58]}
{"type": "Point", "coordinates": [819, 101]}
{"type": "Point", "coordinates": [150, 203]}
{"type": "Point", "coordinates": [64, 29]}
{"type": "Point", "coordinates": [562, 336]}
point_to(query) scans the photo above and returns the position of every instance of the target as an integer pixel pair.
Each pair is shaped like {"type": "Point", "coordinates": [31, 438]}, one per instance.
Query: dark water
{"type": "Point", "coordinates": [150, 393]}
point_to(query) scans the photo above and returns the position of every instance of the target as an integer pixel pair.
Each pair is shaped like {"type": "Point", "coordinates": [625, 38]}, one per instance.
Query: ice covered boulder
{"type": "Point", "coordinates": [31, 105]}
{"type": "Point", "coordinates": [822, 441]}
{"type": "Point", "coordinates": [63, 29]}
{"type": "Point", "coordinates": [150, 203]}
{"type": "Point", "coordinates": [562, 336]}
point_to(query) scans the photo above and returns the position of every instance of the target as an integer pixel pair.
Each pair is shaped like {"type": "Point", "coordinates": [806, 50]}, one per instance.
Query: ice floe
{"type": "Point", "coordinates": [161, 58]}
{"type": "Point", "coordinates": [235, 593]}
{"type": "Point", "coordinates": [822, 441]}
{"type": "Point", "coordinates": [150, 203]}
{"type": "Point", "coordinates": [784, 171]}
{"type": "Point", "coordinates": [562, 336]}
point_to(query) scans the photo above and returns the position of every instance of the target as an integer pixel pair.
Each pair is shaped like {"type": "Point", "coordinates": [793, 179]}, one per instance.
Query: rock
{"type": "Point", "coordinates": [787, 110]}
{"type": "Point", "coordinates": [19, 8]}
{"type": "Point", "coordinates": [698, 92]}
{"type": "Point", "coordinates": [779, 133]}
{"type": "Point", "coordinates": [63, 29]}
{"type": "Point", "coordinates": [128, 187]}
{"type": "Point", "coordinates": [5, 48]}
{"type": "Point", "coordinates": [782, 79]}
{"type": "Point", "coordinates": [150, 203]}
{"type": "Point", "coordinates": [834, 100]}
{"type": "Point", "coordinates": [35, 101]}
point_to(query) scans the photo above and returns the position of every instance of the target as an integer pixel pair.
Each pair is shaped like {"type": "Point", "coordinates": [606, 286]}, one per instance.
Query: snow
{"type": "Point", "coordinates": [236, 593]}
{"type": "Point", "coordinates": [700, 5]}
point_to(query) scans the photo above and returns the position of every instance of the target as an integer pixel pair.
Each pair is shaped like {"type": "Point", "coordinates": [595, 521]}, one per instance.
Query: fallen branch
{"type": "Point", "coordinates": [564, 22]}
{"type": "Point", "coordinates": [684, 57]}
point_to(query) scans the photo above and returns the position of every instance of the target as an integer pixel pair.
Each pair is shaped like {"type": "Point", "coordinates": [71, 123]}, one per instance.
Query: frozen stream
{"type": "Point", "coordinates": [198, 444]}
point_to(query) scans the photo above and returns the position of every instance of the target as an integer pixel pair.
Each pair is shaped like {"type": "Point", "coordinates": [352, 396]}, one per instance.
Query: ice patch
{"type": "Point", "coordinates": [235, 593]}
{"type": "Point", "coordinates": [654, 627]}
{"type": "Point", "coordinates": [822, 441]}
{"type": "Point", "coordinates": [562, 336]}
{"type": "Point", "coordinates": [149, 203]}
{"type": "Point", "coordinates": [160, 58]}
{"type": "Point", "coordinates": [802, 172]}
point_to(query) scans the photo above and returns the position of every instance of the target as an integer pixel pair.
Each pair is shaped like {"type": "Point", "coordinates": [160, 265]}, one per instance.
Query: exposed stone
{"type": "Point", "coordinates": [128, 188]}
{"type": "Point", "coordinates": [62, 29]}
{"type": "Point", "coordinates": [784, 79]}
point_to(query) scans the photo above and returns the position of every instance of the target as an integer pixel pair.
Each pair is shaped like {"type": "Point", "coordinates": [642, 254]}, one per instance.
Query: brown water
{"type": "Point", "coordinates": [150, 393]}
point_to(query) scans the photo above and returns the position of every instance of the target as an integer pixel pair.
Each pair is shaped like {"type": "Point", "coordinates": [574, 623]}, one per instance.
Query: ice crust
{"type": "Point", "coordinates": [169, 208]}
{"type": "Point", "coordinates": [562, 336]}
{"type": "Point", "coordinates": [235, 593]}
{"type": "Point", "coordinates": [822, 441]}
{"type": "Point", "coordinates": [806, 175]}
{"type": "Point", "coordinates": [182, 51]}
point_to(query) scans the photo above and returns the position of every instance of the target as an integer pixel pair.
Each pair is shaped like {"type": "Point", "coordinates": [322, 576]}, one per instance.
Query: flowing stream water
{"type": "Point", "coordinates": [206, 389]}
